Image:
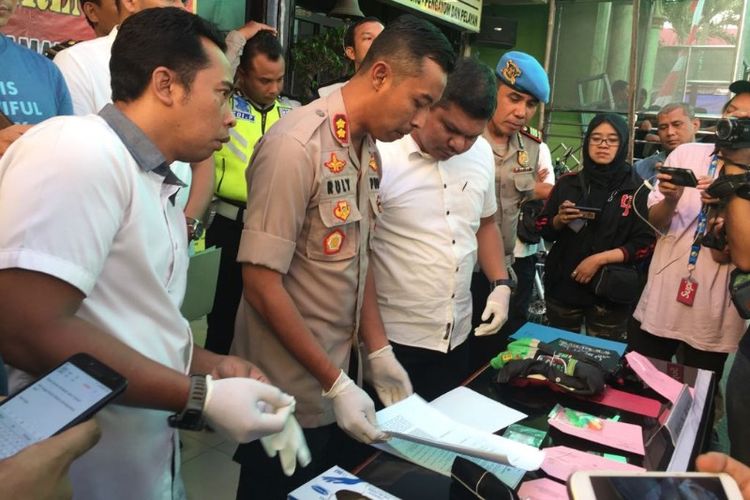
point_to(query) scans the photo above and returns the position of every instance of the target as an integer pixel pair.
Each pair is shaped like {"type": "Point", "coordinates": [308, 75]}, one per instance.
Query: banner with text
{"type": "Point", "coordinates": [466, 14]}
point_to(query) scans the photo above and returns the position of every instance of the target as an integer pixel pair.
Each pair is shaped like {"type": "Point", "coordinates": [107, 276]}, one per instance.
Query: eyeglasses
{"type": "Point", "coordinates": [598, 140]}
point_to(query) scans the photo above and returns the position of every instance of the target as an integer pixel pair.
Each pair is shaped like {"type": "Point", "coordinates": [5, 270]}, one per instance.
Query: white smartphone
{"type": "Point", "coordinates": [617, 485]}
{"type": "Point", "coordinates": [64, 397]}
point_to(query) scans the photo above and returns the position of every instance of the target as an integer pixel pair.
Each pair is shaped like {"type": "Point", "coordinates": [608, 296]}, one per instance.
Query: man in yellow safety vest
{"type": "Point", "coordinates": [256, 106]}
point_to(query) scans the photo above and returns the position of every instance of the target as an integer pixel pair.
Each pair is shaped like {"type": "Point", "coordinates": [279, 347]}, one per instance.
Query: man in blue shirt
{"type": "Point", "coordinates": [676, 125]}
{"type": "Point", "coordinates": [31, 87]}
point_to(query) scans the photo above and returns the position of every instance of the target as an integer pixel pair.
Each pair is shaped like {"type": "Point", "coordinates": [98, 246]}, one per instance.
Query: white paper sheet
{"type": "Point", "coordinates": [478, 412]}
{"type": "Point", "coordinates": [414, 417]}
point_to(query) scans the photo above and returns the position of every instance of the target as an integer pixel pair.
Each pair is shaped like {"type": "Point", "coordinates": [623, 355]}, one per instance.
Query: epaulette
{"type": "Point", "coordinates": [532, 133]}
{"type": "Point", "coordinates": [53, 50]}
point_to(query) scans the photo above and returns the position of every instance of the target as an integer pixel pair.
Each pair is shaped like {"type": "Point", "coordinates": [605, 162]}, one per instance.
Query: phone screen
{"type": "Point", "coordinates": [46, 406]}
{"type": "Point", "coordinates": [664, 487]}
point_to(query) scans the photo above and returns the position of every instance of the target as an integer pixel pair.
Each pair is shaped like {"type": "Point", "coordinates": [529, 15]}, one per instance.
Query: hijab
{"type": "Point", "coordinates": [602, 180]}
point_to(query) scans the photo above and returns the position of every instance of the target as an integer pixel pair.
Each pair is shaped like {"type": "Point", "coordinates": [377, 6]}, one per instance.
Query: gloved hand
{"type": "Point", "coordinates": [497, 305]}
{"type": "Point", "coordinates": [291, 446]}
{"type": "Point", "coordinates": [235, 407]}
{"type": "Point", "coordinates": [355, 411]}
{"type": "Point", "coordinates": [387, 376]}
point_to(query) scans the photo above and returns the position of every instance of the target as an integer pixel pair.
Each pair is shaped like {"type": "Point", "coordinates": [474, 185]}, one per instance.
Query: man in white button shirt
{"type": "Point", "coordinates": [93, 259]}
{"type": "Point", "coordinates": [438, 200]}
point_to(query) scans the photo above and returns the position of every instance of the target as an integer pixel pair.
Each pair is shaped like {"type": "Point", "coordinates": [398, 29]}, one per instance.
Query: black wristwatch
{"type": "Point", "coordinates": [191, 418]}
{"type": "Point", "coordinates": [506, 281]}
{"type": "Point", "coordinates": [194, 228]}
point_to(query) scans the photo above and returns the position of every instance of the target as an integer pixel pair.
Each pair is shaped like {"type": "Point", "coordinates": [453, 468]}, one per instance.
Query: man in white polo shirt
{"type": "Point", "coordinates": [93, 258]}
{"type": "Point", "coordinates": [438, 199]}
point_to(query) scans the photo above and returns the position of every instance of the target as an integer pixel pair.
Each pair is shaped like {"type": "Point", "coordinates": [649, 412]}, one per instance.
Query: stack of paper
{"type": "Point", "coordinates": [427, 437]}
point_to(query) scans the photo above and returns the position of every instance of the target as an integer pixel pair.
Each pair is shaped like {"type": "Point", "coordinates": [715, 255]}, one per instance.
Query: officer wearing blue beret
{"type": "Point", "coordinates": [522, 85]}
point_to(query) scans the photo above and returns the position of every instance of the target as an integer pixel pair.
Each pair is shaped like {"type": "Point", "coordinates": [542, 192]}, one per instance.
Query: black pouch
{"type": "Point", "coordinates": [618, 283]}
{"type": "Point", "coordinates": [471, 481]}
{"type": "Point", "coordinates": [528, 212]}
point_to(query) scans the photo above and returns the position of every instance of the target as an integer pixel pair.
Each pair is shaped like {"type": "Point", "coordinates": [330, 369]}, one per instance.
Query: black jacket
{"type": "Point", "coordinates": [631, 234]}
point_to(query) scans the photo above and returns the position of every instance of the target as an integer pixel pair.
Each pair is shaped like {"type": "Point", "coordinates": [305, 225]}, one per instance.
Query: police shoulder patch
{"type": "Point", "coordinates": [532, 133]}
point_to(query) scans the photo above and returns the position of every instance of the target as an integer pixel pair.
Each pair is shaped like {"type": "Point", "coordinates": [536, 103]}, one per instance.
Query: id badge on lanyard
{"type": "Point", "coordinates": [688, 286]}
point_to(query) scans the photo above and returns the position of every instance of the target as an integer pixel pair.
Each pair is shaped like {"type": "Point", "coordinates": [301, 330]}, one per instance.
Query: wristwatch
{"type": "Point", "coordinates": [506, 281]}
{"type": "Point", "coordinates": [194, 228]}
{"type": "Point", "coordinates": [191, 418]}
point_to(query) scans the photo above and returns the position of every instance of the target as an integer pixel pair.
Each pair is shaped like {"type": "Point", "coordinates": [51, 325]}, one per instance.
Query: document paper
{"type": "Point", "coordinates": [478, 412]}
{"type": "Point", "coordinates": [428, 438]}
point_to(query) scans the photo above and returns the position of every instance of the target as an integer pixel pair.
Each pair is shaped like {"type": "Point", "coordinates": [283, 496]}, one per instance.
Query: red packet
{"type": "Point", "coordinates": [686, 293]}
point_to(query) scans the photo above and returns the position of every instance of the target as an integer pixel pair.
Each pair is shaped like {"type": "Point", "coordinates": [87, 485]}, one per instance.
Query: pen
{"type": "Point", "coordinates": [465, 184]}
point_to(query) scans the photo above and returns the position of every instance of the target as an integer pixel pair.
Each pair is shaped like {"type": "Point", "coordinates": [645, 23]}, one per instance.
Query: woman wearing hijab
{"type": "Point", "coordinates": [604, 231]}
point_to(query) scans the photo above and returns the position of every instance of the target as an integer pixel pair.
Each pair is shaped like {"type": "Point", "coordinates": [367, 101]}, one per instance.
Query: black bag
{"type": "Point", "coordinates": [618, 283]}
{"type": "Point", "coordinates": [472, 481]}
{"type": "Point", "coordinates": [529, 211]}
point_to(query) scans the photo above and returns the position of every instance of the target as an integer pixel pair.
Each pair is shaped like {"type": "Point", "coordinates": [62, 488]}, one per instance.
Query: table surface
{"type": "Point", "coordinates": [407, 480]}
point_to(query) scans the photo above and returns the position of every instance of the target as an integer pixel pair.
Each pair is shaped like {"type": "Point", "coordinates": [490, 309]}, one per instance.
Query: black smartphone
{"type": "Point", "coordinates": [588, 212]}
{"type": "Point", "coordinates": [5, 122]}
{"type": "Point", "coordinates": [680, 176]}
{"type": "Point", "coordinates": [64, 397]}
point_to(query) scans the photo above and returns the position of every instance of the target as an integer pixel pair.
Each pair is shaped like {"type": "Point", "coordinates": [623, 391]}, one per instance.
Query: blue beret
{"type": "Point", "coordinates": [524, 73]}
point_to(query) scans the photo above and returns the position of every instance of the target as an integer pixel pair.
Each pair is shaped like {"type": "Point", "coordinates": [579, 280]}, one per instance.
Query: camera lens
{"type": "Point", "coordinates": [724, 129]}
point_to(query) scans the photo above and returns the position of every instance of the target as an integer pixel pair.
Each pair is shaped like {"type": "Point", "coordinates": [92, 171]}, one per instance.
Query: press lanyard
{"type": "Point", "coordinates": [702, 221]}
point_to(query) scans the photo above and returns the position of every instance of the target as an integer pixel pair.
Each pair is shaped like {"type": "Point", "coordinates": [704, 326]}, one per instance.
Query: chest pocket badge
{"type": "Point", "coordinates": [333, 234]}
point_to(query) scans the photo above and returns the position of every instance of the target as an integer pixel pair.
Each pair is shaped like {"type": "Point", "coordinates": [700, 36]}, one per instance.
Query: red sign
{"type": "Point", "coordinates": [37, 24]}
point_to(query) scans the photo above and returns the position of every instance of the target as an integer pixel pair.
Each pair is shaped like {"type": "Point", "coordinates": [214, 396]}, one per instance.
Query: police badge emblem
{"type": "Point", "coordinates": [511, 71]}
{"type": "Point", "coordinates": [523, 159]}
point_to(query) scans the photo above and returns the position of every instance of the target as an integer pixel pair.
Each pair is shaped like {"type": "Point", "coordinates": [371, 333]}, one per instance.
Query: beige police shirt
{"type": "Point", "coordinates": [515, 177]}
{"type": "Point", "coordinates": [312, 202]}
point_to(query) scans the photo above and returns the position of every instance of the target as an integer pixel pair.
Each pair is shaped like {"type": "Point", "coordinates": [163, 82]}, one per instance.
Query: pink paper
{"type": "Point", "coordinates": [542, 489]}
{"type": "Point", "coordinates": [620, 435]}
{"type": "Point", "coordinates": [560, 462]}
{"type": "Point", "coordinates": [655, 379]}
{"type": "Point", "coordinates": [633, 403]}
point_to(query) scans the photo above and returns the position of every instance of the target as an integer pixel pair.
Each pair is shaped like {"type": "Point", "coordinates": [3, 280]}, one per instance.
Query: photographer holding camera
{"type": "Point", "coordinates": [731, 193]}
{"type": "Point", "coordinates": [685, 309]}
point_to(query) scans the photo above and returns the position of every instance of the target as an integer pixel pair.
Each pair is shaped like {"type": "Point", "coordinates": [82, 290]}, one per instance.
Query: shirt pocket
{"type": "Point", "coordinates": [524, 181]}
{"type": "Point", "coordinates": [334, 230]}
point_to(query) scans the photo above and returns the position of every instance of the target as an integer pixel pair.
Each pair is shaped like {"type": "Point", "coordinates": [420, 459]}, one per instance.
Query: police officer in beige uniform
{"type": "Point", "coordinates": [312, 200]}
{"type": "Point", "coordinates": [522, 85]}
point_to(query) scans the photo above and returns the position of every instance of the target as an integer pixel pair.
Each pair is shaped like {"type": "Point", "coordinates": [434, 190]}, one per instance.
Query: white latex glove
{"type": "Point", "coordinates": [387, 376]}
{"type": "Point", "coordinates": [354, 410]}
{"type": "Point", "coordinates": [497, 305]}
{"type": "Point", "coordinates": [235, 407]}
{"type": "Point", "coordinates": [291, 446]}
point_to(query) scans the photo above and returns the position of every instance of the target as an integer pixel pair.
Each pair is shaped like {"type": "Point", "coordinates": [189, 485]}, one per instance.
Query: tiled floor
{"type": "Point", "coordinates": [207, 467]}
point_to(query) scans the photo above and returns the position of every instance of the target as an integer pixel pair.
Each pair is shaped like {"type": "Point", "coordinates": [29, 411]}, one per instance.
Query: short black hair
{"type": "Point", "coordinates": [472, 86]}
{"type": "Point", "coordinates": [263, 42]}
{"type": "Point", "coordinates": [166, 36]}
{"type": "Point", "coordinates": [406, 42]}
{"type": "Point", "coordinates": [349, 33]}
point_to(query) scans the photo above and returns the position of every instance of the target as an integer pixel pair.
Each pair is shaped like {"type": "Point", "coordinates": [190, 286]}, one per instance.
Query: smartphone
{"type": "Point", "coordinates": [588, 212]}
{"type": "Point", "coordinates": [64, 397]}
{"type": "Point", "coordinates": [5, 122]}
{"type": "Point", "coordinates": [657, 485]}
{"type": "Point", "coordinates": [680, 176]}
